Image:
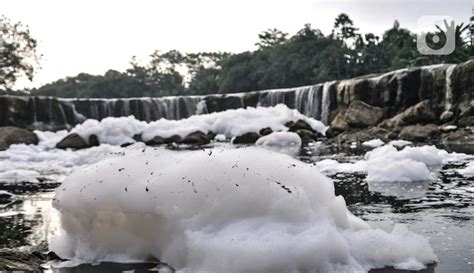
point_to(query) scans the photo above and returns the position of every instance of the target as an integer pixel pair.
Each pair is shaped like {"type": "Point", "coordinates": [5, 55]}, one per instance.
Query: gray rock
{"type": "Point", "coordinates": [157, 140]}
{"type": "Point", "coordinates": [361, 115]}
{"type": "Point", "coordinates": [266, 131]}
{"type": "Point", "coordinates": [247, 138]}
{"type": "Point", "coordinates": [461, 140]}
{"type": "Point", "coordinates": [196, 138]}
{"type": "Point", "coordinates": [73, 141]}
{"type": "Point", "coordinates": [338, 125]}
{"type": "Point", "coordinates": [422, 133]}
{"type": "Point", "coordinates": [420, 113]}
{"type": "Point", "coordinates": [12, 135]}
{"type": "Point", "coordinates": [300, 125]}
{"type": "Point", "coordinates": [93, 140]}
{"type": "Point", "coordinates": [173, 139]}
{"type": "Point", "coordinates": [307, 135]}
{"type": "Point", "coordinates": [446, 116]}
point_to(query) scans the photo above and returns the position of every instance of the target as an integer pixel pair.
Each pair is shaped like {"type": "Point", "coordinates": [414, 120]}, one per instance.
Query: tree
{"type": "Point", "coordinates": [271, 37]}
{"type": "Point", "coordinates": [18, 56]}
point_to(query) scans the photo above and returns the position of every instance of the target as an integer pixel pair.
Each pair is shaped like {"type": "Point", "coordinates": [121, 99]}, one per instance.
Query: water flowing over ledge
{"type": "Point", "coordinates": [445, 85]}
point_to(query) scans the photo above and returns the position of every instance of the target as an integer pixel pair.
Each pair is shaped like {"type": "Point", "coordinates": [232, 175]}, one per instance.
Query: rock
{"type": "Point", "coordinates": [266, 131]}
{"type": "Point", "coordinates": [466, 117]}
{"type": "Point", "coordinates": [300, 125]}
{"type": "Point", "coordinates": [247, 138]}
{"type": "Point", "coordinates": [196, 138]}
{"type": "Point", "coordinates": [73, 141]}
{"type": "Point", "coordinates": [157, 140]}
{"type": "Point", "coordinates": [16, 261]}
{"type": "Point", "coordinates": [138, 138]}
{"type": "Point", "coordinates": [307, 135]}
{"type": "Point", "coordinates": [461, 141]}
{"type": "Point", "coordinates": [173, 139]}
{"type": "Point", "coordinates": [448, 128]}
{"type": "Point", "coordinates": [446, 116]}
{"type": "Point", "coordinates": [420, 113]}
{"type": "Point", "coordinates": [12, 135]}
{"type": "Point", "coordinates": [360, 114]}
{"type": "Point", "coordinates": [338, 125]}
{"type": "Point", "coordinates": [365, 135]}
{"type": "Point", "coordinates": [421, 133]}
{"type": "Point", "coordinates": [93, 140]}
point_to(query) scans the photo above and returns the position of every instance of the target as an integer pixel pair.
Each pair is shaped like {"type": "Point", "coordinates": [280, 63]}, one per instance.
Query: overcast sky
{"type": "Point", "coordinates": [96, 35]}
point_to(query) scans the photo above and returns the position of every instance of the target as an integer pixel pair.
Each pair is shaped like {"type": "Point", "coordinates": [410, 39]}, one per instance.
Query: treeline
{"type": "Point", "coordinates": [308, 57]}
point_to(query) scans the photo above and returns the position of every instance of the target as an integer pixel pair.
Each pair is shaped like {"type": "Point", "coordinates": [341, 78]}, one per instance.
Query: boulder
{"type": "Point", "coordinates": [73, 141]}
{"type": "Point", "coordinates": [299, 125]}
{"type": "Point", "coordinates": [466, 117]}
{"type": "Point", "coordinates": [196, 138]}
{"type": "Point", "coordinates": [421, 133]}
{"type": "Point", "coordinates": [420, 113]}
{"type": "Point", "coordinates": [138, 138]}
{"type": "Point", "coordinates": [266, 131]}
{"type": "Point", "coordinates": [338, 125]}
{"type": "Point", "coordinates": [12, 135]}
{"type": "Point", "coordinates": [365, 135]}
{"type": "Point", "coordinates": [247, 138]}
{"type": "Point", "coordinates": [173, 139]}
{"type": "Point", "coordinates": [157, 140]}
{"type": "Point", "coordinates": [360, 114]}
{"type": "Point", "coordinates": [93, 140]}
{"type": "Point", "coordinates": [461, 140]}
{"type": "Point", "coordinates": [307, 135]}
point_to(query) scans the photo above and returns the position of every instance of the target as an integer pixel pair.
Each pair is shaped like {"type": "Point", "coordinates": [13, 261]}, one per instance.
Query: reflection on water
{"type": "Point", "coordinates": [441, 210]}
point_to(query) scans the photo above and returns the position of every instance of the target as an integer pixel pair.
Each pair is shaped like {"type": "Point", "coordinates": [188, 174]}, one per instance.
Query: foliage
{"type": "Point", "coordinates": [279, 61]}
{"type": "Point", "coordinates": [18, 56]}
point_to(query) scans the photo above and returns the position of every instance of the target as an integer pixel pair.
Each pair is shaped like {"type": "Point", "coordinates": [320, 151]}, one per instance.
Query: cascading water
{"type": "Point", "coordinates": [448, 99]}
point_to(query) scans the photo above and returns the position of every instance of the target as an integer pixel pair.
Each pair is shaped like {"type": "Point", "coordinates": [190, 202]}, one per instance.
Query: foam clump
{"type": "Point", "coordinates": [388, 164]}
{"type": "Point", "coordinates": [229, 123]}
{"type": "Point", "coordinates": [221, 210]}
{"type": "Point", "coordinates": [373, 143]}
{"type": "Point", "coordinates": [468, 170]}
{"type": "Point", "coordinates": [286, 142]}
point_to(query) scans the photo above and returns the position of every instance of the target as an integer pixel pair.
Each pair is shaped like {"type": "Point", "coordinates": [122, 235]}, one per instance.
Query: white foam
{"type": "Point", "coordinates": [33, 163]}
{"type": "Point", "coordinates": [400, 143]}
{"type": "Point", "coordinates": [232, 210]}
{"type": "Point", "coordinates": [387, 164]}
{"type": "Point", "coordinates": [229, 123]}
{"type": "Point", "coordinates": [374, 143]}
{"type": "Point", "coordinates": [468, 170]}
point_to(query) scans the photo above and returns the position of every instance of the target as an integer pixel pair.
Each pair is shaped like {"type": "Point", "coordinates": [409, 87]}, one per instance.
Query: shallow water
{"type": "Point", "coordinates": [441, 210]}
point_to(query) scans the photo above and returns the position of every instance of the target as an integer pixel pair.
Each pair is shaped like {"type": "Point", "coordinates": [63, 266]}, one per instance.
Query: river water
{"type": "Point", "coordinates": [441, 210]}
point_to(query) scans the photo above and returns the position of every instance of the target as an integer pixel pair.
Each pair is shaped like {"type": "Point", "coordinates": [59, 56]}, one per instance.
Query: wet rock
{"type": "Point", "coordinates": [300, 125]}
{"type": "Point", "coordinates": [420, 113]}
{"type": "Point", "coordinates": [266, 131]}
{"type": "Point", "coordinates": [196, 138]}
{"type": "Point", "coordinates": [12, 135]}
{"type": "Point", "coordinates": [173, 139]}
{"type": "Point", "coordinates": [93, 140]}
{"type": "Point", "coordinates": [338, 125]}
{"type": "Point", "coordinates": [354, 135]}
{"type": "Point", "coordinates": [361, 115]}
{"type": "Point", "coordinates": [422, 133]}
{"type": "Point", "coordinates": [466, 117]}
{"type": "Point", "coordinates": [307, 135]}
{"type": "Point", "coordinates": [446, 116]}
{"type": "Point", "coordinates": [72, 141]}
{"type": "Point", "coordinates": [11, 260]}
{"type": "Point", "coordinates": [247, 138]}
{"type": "Point", "coordinates": [157, 140]}
{"type": "Point", "coordinates": [138, 138]}
{"type": "Point", "coordinates": [461, 140]}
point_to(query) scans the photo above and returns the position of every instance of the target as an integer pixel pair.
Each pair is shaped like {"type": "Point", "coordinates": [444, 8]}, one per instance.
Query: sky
{"type": "Point", "coordinates": [93, 36]}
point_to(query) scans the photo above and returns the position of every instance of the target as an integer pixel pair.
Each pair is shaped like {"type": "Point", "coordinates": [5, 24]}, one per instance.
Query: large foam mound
{"type": "Point", "coordinates": [388, 164]}
{"type": "Point", "coordinates": [229, 123]}
{"type": "Point", "coordinates": [227, 210]}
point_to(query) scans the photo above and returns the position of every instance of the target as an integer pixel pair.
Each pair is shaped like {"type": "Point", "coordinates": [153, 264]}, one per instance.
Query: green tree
{"type": "Point", "coordinates": [18, 55]}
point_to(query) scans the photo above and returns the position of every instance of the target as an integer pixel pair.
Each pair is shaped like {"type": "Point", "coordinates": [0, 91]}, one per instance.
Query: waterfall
{"type": "Point", "coordinates": [326, 102]}
{"type": "Point", "coordinates": [448, 95]}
